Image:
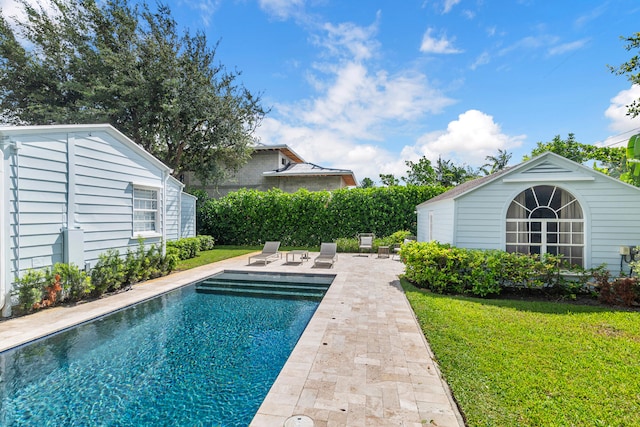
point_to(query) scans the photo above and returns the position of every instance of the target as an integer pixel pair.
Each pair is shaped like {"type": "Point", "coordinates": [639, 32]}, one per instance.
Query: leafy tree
{"type": "Point", "coordinates": [389, 180]}
{"type": "Point", "coordinates": [632, 69]}
{"type": "Point", "coordinates": [448, 174]}
{"type": "Point", "coordinates": [89, 61]}
{"type": "Point", "coordinates": [367, 183]}
{"type": "Point", "coordinates": [611, 159]}
{"type": "Point", "coordinates": [496, 163]}
{"type": "Point", "coordinates": [420, 173]}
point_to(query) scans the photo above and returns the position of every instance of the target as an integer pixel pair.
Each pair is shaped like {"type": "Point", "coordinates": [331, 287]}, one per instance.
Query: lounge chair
{"type": "Point", "coordinates": [269, 252]}
{"type": "Point", "coordinates": [365, 242]}
{"type": "Point", "coordinates": [327, 254]}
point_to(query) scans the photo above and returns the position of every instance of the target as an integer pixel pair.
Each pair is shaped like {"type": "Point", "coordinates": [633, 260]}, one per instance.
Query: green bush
{"type": "Point", "coordinates": [30, 289]}
{"type": "Point", "coordinates": [443, 268]}
{"type": "Point", "coordinates": [188, 247]}
{"type": "Point", "coordinates": [206, 242]}
{"type": "Point", "coordinates": [108, 273]}
{"type": "Point", "coordinates": [76, 283]}
{"type": "Point", "coordinates": [304, 218]}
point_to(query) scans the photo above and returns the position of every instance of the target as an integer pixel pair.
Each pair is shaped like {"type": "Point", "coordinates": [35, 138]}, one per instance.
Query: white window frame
{"type": "Point", "coordinates": [523, 235]}
{"type": "Point", "coordinates": [155, 232]}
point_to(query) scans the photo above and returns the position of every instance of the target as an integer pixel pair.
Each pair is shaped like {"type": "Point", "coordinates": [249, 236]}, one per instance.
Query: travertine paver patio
{"type": "Point", "coordinates": [362, 360]}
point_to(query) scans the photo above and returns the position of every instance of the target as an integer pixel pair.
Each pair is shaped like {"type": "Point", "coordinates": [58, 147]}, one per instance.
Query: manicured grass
{"type": "Point", "coordinates": [515, 363]}
{"type": "Point", "coordinates": [219, 253]}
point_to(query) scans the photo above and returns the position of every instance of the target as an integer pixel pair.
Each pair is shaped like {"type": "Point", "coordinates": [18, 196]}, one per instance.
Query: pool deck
{"type": "Point", "coordinates": [361, 361]}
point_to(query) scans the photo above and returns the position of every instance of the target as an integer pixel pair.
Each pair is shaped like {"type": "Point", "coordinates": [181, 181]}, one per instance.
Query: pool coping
{"type": "Point", "coordinates": [362, 359]}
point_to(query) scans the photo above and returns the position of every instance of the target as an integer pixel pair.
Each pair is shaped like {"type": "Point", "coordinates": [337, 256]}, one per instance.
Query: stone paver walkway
{"type": "Point", "coordinates": [361, 361]}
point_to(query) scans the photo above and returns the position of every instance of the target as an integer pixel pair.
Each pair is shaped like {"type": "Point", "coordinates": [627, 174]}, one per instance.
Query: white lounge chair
{"type": "Point", "coordinates": [365, 242]}
{"type": "Point", "coordinates": [327, 254]}
{"type": "Point", "coordinates": [269, 252]}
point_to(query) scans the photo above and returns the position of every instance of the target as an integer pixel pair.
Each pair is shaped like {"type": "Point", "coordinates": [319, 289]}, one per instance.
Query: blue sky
{"type": "Point", "coordinates": [366, 85]}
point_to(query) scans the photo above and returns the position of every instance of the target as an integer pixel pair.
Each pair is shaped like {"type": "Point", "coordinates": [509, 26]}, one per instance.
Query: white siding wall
{"type": "Point", "coordinates": [81, 180]}
{"type": "Point", "coordinates": [106, 170]}
{"type": "Point", "coordinates": [442, 214]}
{"type": "Point", "coordinates": [188, 216]}
{"type": "Point", "coordinates": [37, 211]}
{"type": "Point", "coordinates": [174, 189]}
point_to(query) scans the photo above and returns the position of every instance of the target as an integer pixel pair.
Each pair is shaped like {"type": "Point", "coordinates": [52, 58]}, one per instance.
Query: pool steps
{"type": "Point", "coordinates": [280, 286]}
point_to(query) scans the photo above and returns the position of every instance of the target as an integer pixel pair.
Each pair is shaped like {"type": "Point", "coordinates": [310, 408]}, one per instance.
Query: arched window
{"type": "Point", "coordinates": [546, 219]}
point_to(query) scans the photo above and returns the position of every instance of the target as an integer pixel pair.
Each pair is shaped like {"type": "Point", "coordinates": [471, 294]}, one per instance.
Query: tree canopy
{"type": "Point", "coordinates": [610, 160]}
{"type": "Point", "coordinates": [113, 62]}
{"type": "Point", "coordinates": [632, 69]}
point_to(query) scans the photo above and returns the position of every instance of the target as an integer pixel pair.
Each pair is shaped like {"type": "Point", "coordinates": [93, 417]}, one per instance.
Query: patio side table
{"type": "Point", "coordinates": [304, 255]}
{"type": "Point", "coordinates": [383, 251]}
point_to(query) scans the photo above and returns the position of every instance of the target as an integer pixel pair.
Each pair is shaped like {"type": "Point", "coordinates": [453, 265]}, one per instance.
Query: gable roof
{"type": "Point", "coordinates": [535, 168]}
{"type": "Point", "coordinates": [16, 131]}
{"type": "Point", "coordinates": [310, 169]}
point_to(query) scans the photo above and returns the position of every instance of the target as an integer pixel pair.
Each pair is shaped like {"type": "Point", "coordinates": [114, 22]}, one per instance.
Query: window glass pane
{"type": "Point", "coordinates": [516, 211]}
{"type": "Point", "coordinates": [578, 238]}
{"type": "Point", "coordinates": [511, 238]}
{"type": "Point", "coordinates": [145, 209]}
{"type": "Point", "coordinates": [512, 226]}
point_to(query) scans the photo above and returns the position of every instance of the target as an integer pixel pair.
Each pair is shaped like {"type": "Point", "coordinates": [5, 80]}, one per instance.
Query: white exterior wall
{"type": "Point", "coordinates": [436, 218]}
{"type": "Point", "coordinates": [75, 182]}
{"type": "Point", "coordinates": [106, 171]}
{"type": "Point", "coordinates": [173, 227]}
{"type": "Point", "coordinates": [188, 215]}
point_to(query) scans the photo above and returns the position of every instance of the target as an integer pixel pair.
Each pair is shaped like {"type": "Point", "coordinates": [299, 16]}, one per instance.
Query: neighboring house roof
{"type": "Point", "coordinates": [546, 161]}
{"type": "Point", "coordinates": [8, 131]}
{"type": "Point", "coordinates": [310, 169]}
{"type": "Point", "coordinates": [285, 149]}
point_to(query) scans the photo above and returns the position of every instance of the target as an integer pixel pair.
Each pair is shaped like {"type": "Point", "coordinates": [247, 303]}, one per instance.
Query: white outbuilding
{"type": "Point", "coordinates": [548, 204]}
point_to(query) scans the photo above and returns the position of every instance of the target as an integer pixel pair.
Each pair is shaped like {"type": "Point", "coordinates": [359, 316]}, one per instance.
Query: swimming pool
{"type": "Point", "coordinates": [183, 358]}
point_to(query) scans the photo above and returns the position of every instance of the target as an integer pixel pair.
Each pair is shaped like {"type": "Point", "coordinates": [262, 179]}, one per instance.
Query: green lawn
{"type": "Point", "coordinates": [219, 253]}
{"type": "Point", "coordinates": [515, 363]}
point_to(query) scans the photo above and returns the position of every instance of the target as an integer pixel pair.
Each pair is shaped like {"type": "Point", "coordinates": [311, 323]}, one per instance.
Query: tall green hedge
{"type": "Point", "coordinates": [304, 218]}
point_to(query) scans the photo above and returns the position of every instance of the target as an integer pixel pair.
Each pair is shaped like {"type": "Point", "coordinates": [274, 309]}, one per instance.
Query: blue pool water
{"type": "Point", "coordinates": [182, 359]}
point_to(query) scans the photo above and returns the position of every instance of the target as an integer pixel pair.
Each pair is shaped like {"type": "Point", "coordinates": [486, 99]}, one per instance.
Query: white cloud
{"type": "Point", "coordinates": [467, 140]}
{"type": "Point", "coordinates": [347, 40]}
{"type": "Point", "coordinates": [621, 123]}
{"type": "Point", "coordinates": [204, 8]}
{"type": "Point", "coordinates": [437, 45]}
{"type": "Point", "coordinates": [483, 59]}
{"type": "Point", "coordinates": [448, 5]}
{"type": "Point", "coordinates": [281, 9]}
{"type": "Point", "coordinates": [567, 47]}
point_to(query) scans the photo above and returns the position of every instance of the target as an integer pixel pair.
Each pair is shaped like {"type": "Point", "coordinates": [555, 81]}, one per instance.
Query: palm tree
{"type": "Point", "coordinates": [497, 162]}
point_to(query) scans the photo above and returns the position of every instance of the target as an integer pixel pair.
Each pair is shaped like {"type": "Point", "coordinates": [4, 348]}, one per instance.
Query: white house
{"type": "Point", "coordinates": [548, 204]}
{"type": "Point", "coordinates": [70, 192]}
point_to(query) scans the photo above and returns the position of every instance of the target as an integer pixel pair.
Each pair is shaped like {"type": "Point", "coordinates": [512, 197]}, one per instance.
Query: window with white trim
{"type": "Point", "coordinates": [546, 219]}
{"type": "Point", "coordinates": [145, 210]}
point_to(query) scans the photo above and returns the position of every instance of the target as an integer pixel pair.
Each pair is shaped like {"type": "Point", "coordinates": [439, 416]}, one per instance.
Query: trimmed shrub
{"type": "Point", "coordinates": [304, 218]}
{"type": "Point", "coordinates": [206, 242]}
{"type": "Point", "coordinates": [76, 284]}
{"type": "Point", "coordinates": [443, 268]}
{"type": "Point", "coordinates": [30, 289]}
